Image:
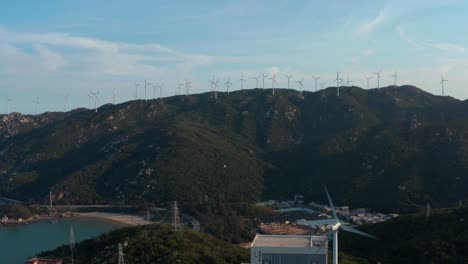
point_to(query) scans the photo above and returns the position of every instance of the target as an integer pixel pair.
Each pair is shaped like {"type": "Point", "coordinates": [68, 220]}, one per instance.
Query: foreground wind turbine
{"type": "Point", "coordinates": [301, 86]}
{"type": "Point", "coordinates": [273, 82]}
{"type": "Point", "coordinates": [242, 81]}
{"type": "Point", "coordinates": [395, 77]}
{"type": "Point", "coordinates": [368, 78]}
{"type": "Point", "coordinates": [338, 225]}
{"type": "Point", "coordinates": [36, 101]}
{"type": "Point", "coordinates": [288, 77]}
{"type": "Point", "coordinates": [378, 78]}
{"type": "Point", "coordinates": [442, 81]}
{"type": "Point", "coordinates": [263, 80]}
{"type": "Point", "coordinates": [96, 99]}
{"type": "Point", "coordinates": [228, 84]}
{"type": "Point", "coordinates": [316, 79]}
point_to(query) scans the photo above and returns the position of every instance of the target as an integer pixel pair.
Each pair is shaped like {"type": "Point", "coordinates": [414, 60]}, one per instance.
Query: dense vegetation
{"type": "Point", "coordinates": [441, 238]}
{"type": "Point", "coordinates": [378, 148]}
{"type": "Point", "coordinates": [16, 211]}
{"type": "Point", "coordinates": [154, 244]}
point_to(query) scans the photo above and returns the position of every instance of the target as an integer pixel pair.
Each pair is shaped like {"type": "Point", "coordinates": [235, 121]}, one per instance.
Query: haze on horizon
{"type": "Point", "coordinates": [52, 48]}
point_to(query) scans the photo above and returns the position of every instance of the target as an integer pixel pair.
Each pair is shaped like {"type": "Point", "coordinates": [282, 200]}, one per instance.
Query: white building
{"type": "Point", "coordinates": [289, 249]}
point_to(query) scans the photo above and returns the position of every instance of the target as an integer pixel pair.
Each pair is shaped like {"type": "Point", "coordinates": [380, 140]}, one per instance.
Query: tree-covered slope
{"type": "Point", "coordinates": [389, 148]}
{"type": "Point", "coordinates": [153, 244]}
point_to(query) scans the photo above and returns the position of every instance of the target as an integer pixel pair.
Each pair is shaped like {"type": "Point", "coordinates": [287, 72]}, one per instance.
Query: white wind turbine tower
{"type": "Point", "coordinates": [368, 78]}
{"type": "Point", "coordinates": [216, 89]}
{"type": "Point", "coordinates": [288, 77]}
{"type": "Point", "coordinates": [263, 79]}
{"type": "Point", "coordinates": [301, 86]}
{"type": "Point", "coordinates": [228, 84]}
{"type": "Point", "coordinates": [114, 94]}
{"type": "Point", "coordinates": [96, 99]}
{"type": "Point", "coordinates": [72, 243]}
{"type": "Point", "coordinates": [36, 101]}
{"type": "Point", "coordinates": [273, 82]}
{"type": "Point", "coordinates": [154, 90]}
{"type": "Point", "coordinates": [161, 87]}
{"type": "Point", "coordinates": [90, 95]}
{"type": "Point", "coordinates": [257, 79]}
{"type": "Point", "coordinates": [336, 228]}
{"type": "Point", "coordinates": [378, 78]}
{"type": "Point", "coordinates": [442, 81]}
{"type": "Point", "coordinates": [180, 85]}
{"type": "Point", "coordinates": [242, 81]}
{"type": "Point", "coordinates": [146, 83]}
{"type": "Point", "coordinates": [395, 77]}
{"type": "Point", "coordinates": [348, 82]}
{"type": "Point", "coordinates": [187, 86]}
{"type": "Point", "coordinates": [136, 90]}
{"type": "Point", "coordinates": [65, 101]}
{"type": "Point", "coordinates": [316, 79]}
{"type": "Point", "coordinates": [338, 80]}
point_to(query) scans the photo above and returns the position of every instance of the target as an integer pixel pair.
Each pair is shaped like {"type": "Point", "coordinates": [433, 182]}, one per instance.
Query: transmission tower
{"type": "Point", "coordinates": [121, 255]}
{"type": "Point", "coordinates": [175, 218]}
{"type": "Point", "coordinates": [428, 210]}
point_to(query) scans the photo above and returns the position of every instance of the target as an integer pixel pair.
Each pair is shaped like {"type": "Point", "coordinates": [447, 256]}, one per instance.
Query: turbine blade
{"type": "Point", "coordinates": [355, 231]}
{"type": "Point", "coordinates": [331, 204]}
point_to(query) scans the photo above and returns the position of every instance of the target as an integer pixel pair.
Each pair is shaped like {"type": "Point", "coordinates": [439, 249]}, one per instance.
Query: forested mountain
{"type": "Point", "coordinates": [392, 148]}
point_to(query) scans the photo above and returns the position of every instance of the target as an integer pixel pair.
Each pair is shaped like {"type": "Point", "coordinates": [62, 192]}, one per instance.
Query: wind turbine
{"type": "Point", "coordinates": [442, 81]}
{"type": "Point", "coordinates": [228, 84]}
{"type": "Point", "coordinates": [96, 99]}
{"type": "Point", "coordinates": [36, 101]}
{"type": "Point", "coordinates": [72, 242]}
{"type": "Point", "coordinates": [348, 82]}
{"type": "Point", "coordinates": [263, 79]}
{"type": "Point", "coordinates": [289, 78]}
{"type": "Point", "coordinates": [136, 90]}
{"type": "Point", "coordinates": [89, 99]}
{"type": "Point", "coordinates": [161, 86]}
{"type": "Point", "coordinates": [273, 81]}
{"type": "Point", "coordinates": [242, 81]}
{"type": "Point", "coordinates": [113, 95]}
{"type": "Point", "coordinates": [368, 78]}
{"type": "Point", "coordinates": [322, 84]}
{"type": "Point", "coordinates": [338, 225]}
{"type": "Point", "coordinates": [187, 86]}
{"type": "Point", "coordinates": [146, 83]}
{"type": "Point", "coordinates": [338, 80]}
{"type": "Point", "coordinates": [256, 81]}
{"type": "Point", "coordinates": [395, 77]}
{"type": "Point", "coordinates": [301, 86]}
{"type": "Point", "coordinates": [8, 105]}
{"type": "Point", "coordinates": [316, 79]}
{"type": "Point", "coordinates": [65, 101]}
{"type": "Point", "coordinates": [378, 78]}
{"type": "Point", "coordinates": [180, 85]}
{"type": "Point", "coordinates": [216, 89]}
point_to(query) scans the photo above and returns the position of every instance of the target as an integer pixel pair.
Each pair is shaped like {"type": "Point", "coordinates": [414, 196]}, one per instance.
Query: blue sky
{"type": "Point", "coordinates": [52, 48]}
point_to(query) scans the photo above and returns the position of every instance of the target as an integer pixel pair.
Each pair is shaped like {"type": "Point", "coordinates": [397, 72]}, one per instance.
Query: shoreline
{"type": "Point", "coordinates": [121, 219]}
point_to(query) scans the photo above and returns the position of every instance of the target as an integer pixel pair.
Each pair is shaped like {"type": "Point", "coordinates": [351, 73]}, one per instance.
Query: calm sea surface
{"type": "Point", "coordinates": [17, 243]}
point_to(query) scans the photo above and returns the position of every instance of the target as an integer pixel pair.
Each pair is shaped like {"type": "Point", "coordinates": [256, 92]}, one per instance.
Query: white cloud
{"type": "Point", "coordinates": [370, 26]}
{"type": "Point", "coordinates": [456, 48]}
{"type": "Point", "coordinates": [368, 52]}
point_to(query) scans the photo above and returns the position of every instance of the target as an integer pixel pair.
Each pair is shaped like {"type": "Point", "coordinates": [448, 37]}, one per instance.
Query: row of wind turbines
{"type": "Point", "coordinates": [214, 83]}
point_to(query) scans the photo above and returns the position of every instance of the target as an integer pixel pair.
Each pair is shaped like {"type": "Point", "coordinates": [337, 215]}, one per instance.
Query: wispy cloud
{"type": "Point", "coordinates": [370, 26]}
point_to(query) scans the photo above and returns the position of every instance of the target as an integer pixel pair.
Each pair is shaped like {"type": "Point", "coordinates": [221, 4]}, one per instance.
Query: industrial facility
{"type": "Point", "coordinates": [289, 249]}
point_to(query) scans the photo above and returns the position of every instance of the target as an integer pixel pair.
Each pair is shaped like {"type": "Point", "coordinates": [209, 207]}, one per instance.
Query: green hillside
{"type": "Point", "coordinates": [391, 148]}
{"type": "Point", "coordinates": [153, 244]}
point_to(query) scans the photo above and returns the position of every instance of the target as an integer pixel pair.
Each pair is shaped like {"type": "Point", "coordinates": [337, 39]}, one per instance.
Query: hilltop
{"type": "Point", "coordinates": [392, 148]}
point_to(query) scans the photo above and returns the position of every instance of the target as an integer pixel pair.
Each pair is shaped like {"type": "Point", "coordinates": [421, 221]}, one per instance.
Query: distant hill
{"type": "Point", "coordinates": [392, 148]}
{"type": "Point", "coordinates": [153, 244]}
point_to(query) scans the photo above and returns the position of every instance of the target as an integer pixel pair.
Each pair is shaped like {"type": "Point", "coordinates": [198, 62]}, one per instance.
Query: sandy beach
{"type": "Point", "coordinates": [124, 219]}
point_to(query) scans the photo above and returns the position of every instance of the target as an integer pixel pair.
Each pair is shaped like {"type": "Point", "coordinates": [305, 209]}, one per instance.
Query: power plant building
{"type": "Point", "coordinates": [289, 249]}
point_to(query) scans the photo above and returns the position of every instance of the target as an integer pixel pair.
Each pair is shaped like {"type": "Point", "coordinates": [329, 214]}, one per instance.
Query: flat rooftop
{"type": "Point", "coordinates": [289, 241]}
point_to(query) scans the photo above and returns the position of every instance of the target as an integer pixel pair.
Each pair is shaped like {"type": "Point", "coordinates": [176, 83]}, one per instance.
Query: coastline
{"type": "Point", "coordinates": [121, 219]}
